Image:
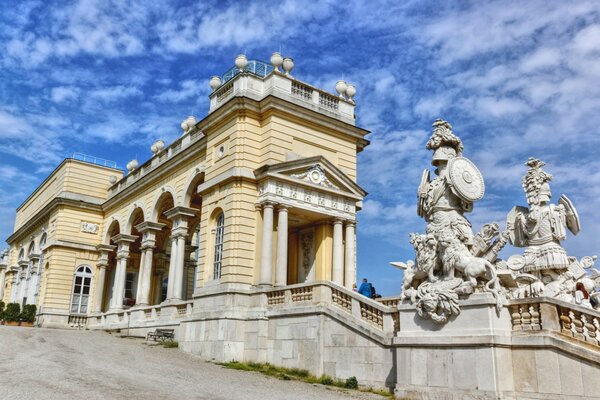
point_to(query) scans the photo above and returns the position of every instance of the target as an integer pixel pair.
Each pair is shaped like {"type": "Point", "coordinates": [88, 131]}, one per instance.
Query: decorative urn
{"type": "Point", "coordinates": [340, 87]}
{"type": "Point", "coordinates": [288, 65]}
{"type": "Point", "coordinates": [276, 60]}
{"type": "Point", "coordinates": [351, 91]}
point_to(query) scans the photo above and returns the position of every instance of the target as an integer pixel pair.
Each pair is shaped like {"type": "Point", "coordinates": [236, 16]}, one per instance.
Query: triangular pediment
{"type": "Point", "coordinates": [315, 172]}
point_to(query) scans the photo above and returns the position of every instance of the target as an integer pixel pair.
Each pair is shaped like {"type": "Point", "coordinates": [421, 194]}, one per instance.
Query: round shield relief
{"type": "Point", "coordinates": [466, 179]}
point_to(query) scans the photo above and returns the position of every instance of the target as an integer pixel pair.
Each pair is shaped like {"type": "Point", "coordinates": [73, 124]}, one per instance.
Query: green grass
{"type": "Point", "coordinates": [303, 375]}
{"type": "Point", "coordinates": [169, 344]}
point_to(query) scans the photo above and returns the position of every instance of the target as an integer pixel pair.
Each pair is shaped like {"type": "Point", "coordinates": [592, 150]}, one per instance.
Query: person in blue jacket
{"type": "Point", "coordinates": [366, 289]}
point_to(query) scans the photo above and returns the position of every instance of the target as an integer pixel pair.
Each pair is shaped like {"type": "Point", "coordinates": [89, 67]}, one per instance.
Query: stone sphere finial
{"type": "Point", "coordinates": [340, 87]}
{"type": "Point", "coordinates": [112, 179]}
{"type": "Point", "coordinates": [288, 65]}
{"type": "Point", "coordinates": [276, 61]}
{"type": "Point", "coordinates": [131, 165]}
{"type": "Point", "coordinates": [215, 82]}
{"type": "Point", "coordinates": [157, 146]}
{"type": "Point", "coordinates": [351, 92]}
{"type": "Point", "coordinates": [188, 123]}
{"type": "Point", "coordinates": [241, 61]}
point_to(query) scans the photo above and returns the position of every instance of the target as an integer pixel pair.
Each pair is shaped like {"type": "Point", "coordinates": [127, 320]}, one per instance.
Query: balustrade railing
{"type": "Point", "coordinates": [566, 319]}
{"type": "Point", "coordinates": [376, 315]}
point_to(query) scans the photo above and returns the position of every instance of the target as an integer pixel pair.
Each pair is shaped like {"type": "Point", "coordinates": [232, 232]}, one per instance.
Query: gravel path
{"type": "Point", "coordinates": [61, 364]}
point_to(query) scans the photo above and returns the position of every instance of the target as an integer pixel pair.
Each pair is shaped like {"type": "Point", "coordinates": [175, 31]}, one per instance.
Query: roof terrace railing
{"type": "Point", "coordinates": [255, 67]}
{"type": "Point", "coordinates": [94, 160]}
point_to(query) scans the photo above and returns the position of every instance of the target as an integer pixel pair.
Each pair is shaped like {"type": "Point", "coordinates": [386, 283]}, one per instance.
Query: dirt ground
{"type": "Point", "coordinates": [37, 363]}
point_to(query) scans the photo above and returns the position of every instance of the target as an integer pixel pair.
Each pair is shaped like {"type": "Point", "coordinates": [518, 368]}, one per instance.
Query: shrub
{"type": "Point", "coordinates": [2, 310]}
{"type": "Point", "coordinates": [28, 314]}
{"type": "Point", "coordinates": [170, 344]}
{"type": "Point", "coordinates": [326, 380]}
{"type": "Point", "coordinates": [12, 312]}
{"type": "Point", "coordinates": [351, 383]}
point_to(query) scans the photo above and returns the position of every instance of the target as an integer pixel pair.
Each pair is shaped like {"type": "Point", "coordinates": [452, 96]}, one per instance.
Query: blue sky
{"type": "Point", "coordinates": [515, 79]}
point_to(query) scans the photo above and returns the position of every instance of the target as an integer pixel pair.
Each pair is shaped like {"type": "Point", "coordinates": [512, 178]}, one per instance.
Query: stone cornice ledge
{"type": "Point", "coordinates": [233, 173]}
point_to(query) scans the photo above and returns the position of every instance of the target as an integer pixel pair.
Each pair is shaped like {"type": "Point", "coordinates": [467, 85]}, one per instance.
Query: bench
{"type": "Point", "coordinates": [161, 334]}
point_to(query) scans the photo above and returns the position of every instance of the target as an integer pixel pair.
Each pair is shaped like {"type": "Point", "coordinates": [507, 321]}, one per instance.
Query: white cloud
{"type": "Point", "coordinates": [60, 94]}
{"type": "Point", "coordinates": [115, 93]}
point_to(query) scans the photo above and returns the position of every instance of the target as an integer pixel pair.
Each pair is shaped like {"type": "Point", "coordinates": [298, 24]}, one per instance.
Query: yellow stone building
{"type": "Point", "coordinates": [260, 192]}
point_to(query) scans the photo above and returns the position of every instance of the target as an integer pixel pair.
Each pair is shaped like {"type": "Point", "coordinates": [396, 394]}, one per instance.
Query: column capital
{"type": "Point", "coordinates": [34, 257]}
{"type": "Point", "coordinates": [338, 221]}
{"type": "Point", "coordinates": [122, 238]}
{"type": "Point", "coordinates": [149, 226]}
{"type": "Point", "coordinates": [180, 212]}
{"type": "Point", "coordinates": [179, 234]}
{"type": "Point", "coordinates": [148, 244]}
{"type": "Point", "coordinates": [23, 263]}
{"type": "Point", "coordinates": [283, 207]}
{"type": "Point", "coordinates": [102, 264]}
{"type": "Point", "coordinates": [350, 223]}
{"type": "Point", "coordinates": [106, 248]}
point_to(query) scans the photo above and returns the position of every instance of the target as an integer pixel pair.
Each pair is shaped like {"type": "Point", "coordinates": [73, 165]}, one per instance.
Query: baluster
{"type": "Point", "coordinates": [577, 325]}
{"type": "Point", "coordinates": [534, 310]}
{"type": "Point", "coordinates": [565, 321]}
{"type": "Point", "coordinates": [525, 318]}
{"type": "Point", "coordinates": [516, 318]}
{"type": "Point", "coordinates": [589, 330]}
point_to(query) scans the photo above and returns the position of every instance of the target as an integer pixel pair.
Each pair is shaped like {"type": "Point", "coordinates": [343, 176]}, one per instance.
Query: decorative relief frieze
{"type": "Point", "coordinates": [88, 227]}
{"type": "Point", "coordinates": [307, 198]}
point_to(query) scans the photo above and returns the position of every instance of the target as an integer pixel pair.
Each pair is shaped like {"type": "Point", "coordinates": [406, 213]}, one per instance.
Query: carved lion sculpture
{"type": "Point", "coordinates": [425, 247]}
{"type": "Point", "coordinates": [456, 256]}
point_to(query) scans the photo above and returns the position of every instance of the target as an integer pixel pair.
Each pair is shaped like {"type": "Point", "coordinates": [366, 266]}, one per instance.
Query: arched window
{"type": "Point", "coordinates": [81, 290]}
{"type": "Point", "coordinates": [21, 254]}
{"type": "Point", "coordinates": [219, 231]}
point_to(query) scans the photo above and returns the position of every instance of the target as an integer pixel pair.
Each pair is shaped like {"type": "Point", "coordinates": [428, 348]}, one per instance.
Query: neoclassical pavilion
{"type": "Point", "coordinates": [261, 192]}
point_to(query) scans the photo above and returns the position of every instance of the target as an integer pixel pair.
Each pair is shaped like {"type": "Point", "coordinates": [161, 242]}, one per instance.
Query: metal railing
{"type": "Point", "coordinates": [256, 67]}
{"type": "Point", "coordinates": [94, 160]}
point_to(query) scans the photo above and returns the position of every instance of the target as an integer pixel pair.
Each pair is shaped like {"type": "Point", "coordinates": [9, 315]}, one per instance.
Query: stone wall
{"type": "Point", "coordinates": [532, 349]}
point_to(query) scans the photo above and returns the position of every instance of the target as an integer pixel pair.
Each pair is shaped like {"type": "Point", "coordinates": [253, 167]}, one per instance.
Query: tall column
{"type": "Point", "coordinates": [178, 285]}
{"type": "Point", "coordinates": [350, 271]}
{"type": "Point", "coordinates": [3, 268]}
{"type": "Point", "coordinates": [179, 215]}
{"type": "Point", "coordinates": [172, 267]}
{"type": "Point", "coordinates": [2, 279]}
{"type": "Point", "coordinates": [266, 256]}
{"type": "Point", "coordinates": [100, 287]}
{"type": "Point", "coordinates": [148, 230]}
{"type": "Point", "coordinates": [282, 247]}
{"type": "Point", "coordinates": [146, 270]}
{"type": "Point", "coordinates": [337, 275]}
{"type": "Point", "coordinates": [123, 242]}
{"type": "Point", "coordinates": [33, 278]}
{"type": "Point", "coordinates": [102, 263]}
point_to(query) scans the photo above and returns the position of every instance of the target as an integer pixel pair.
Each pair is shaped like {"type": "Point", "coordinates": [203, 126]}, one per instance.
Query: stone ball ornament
{"type": "Point", "coordinates": [188, 123]}
{"type": "Point", "coordinates": [467, 181]}
{"type": "Point", "coordinates": [157, 146]}
{"type": "Point", "coordinates": [215, 82]}
{"type": "Point", "coordinates": [131, 165]}
{"type": "Point", "coordinates": [241, 61]}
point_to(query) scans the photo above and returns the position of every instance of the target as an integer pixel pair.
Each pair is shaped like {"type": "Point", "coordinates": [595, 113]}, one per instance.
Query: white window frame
{"type": "Point", "coordinates": [84, 271]}
{"type": "Point", "coordinates": [218, 257]}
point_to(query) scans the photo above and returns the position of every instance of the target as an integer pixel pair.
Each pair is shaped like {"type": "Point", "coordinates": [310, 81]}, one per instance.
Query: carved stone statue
{"type": "Point", "coordinates": [449, 258]}
{"type": "Point", "coordinates": [544, 269]}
